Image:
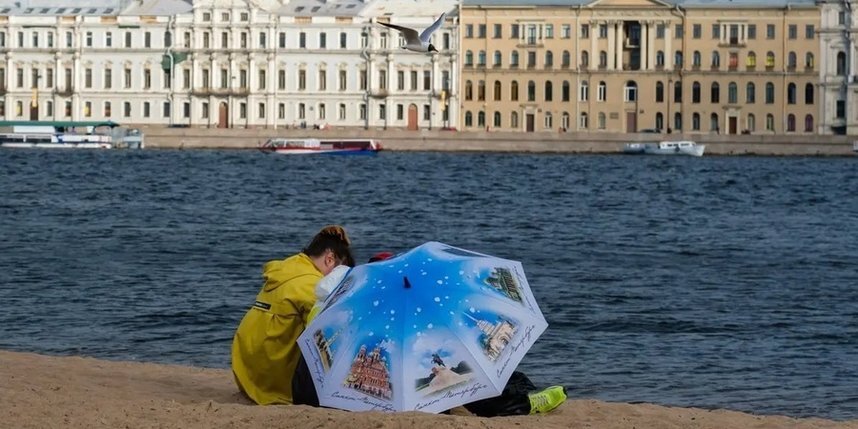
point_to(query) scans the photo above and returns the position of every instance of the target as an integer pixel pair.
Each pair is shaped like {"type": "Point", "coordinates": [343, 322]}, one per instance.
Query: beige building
{"type": "Point", "coordinates": [697, 66]}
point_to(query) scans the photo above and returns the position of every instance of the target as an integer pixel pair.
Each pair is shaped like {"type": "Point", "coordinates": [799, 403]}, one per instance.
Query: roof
{"type": "Point", "coordinates": [322, 8]}
{"type": "Point", "coordinates": [64, 124]}
{"type": "Point", "coordinates": [159, 7]}
{"type": "Point", "coordinates": [681, 3]}
{"type": "Point", "coordinates": [60, 7]}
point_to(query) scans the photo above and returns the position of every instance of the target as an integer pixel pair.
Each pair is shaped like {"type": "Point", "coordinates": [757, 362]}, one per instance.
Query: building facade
{"type": "Point", "coordinates": [838, 72]}
{"type": "Point", "coordinates": [625, 65]}
{"type": "Point", "coordinates": [225, 63]}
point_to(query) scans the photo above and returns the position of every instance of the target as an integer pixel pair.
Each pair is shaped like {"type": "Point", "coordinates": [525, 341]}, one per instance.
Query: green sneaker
{"type": "Point", "coordinates": [547, 400]}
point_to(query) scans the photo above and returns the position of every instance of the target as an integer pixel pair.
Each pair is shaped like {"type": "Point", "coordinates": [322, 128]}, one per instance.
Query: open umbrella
{"type": "Point", "coordinates": [430, 329]}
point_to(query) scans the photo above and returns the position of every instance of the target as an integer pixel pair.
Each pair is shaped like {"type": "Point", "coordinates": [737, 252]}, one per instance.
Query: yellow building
{"type": "Point", "coordinates": [697, 66]}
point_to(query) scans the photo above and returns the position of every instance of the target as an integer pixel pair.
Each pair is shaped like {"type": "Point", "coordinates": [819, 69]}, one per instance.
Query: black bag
{"type": "Point", "coordinates": [513, 401]}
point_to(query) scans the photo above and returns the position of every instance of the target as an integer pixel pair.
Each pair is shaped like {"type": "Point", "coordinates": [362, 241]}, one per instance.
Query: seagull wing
{"type": "Point", "coordinates": [410, 34]}
{"type": "Point", "coordinates": [427, 33]}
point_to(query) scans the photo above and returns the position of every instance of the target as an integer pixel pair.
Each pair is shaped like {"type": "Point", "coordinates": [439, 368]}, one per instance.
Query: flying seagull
{"type": "Point", "coordinates": [415, 42]}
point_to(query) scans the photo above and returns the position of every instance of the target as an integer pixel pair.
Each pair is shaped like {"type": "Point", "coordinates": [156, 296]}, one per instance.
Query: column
{"type": "Point", "coordinates": [76, 94]}
{"type": "Point", "coordinates": [271, 90]}
{"type": "Point", "coordinates": [643, 47]}
{"type": "Point", "coordinates": [651, 45]}
{"type": "Point", "coordinates": [594, 53]}
{"type": "Point", "coordinates": [668, 52]}
{"type": "Point", "coordinates": [612, 45]}
{"type": "Point", "coordinates": [619, 50]}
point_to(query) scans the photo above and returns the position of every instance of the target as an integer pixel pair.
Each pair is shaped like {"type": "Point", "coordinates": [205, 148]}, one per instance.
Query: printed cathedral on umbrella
{"type": "Point", "coordinates": [428, 330]}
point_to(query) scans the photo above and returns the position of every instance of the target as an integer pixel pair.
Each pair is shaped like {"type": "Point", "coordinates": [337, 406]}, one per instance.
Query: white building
{"type": "Point", "coordinates": [838, 73]}
{"type": "Point", "coordinates": [234, 63]}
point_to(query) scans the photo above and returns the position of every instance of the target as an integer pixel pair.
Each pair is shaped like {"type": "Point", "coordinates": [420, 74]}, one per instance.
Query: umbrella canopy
{"type": "Point", "coordinates": [428, 330]}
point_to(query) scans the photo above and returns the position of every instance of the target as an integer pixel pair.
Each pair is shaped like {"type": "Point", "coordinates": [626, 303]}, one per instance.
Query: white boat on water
{"type": "Point", "coordinates": [680, 147]}
{"type": "Point", "coordinates": [68, 135]}
{"type": "Point", "coordinates": [298, 146]}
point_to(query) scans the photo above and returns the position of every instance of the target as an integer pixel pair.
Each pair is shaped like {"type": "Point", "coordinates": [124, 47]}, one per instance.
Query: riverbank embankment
{"type": "Point", "coordinates": [483, 141]}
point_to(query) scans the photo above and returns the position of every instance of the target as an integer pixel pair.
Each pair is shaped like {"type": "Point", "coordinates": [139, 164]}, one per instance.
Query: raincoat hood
{"type": "Point", "coordinates": [279, 272]}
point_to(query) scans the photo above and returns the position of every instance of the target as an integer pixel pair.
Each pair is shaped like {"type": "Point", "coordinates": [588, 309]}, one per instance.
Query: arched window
{"type": "Point", "coordinates": [733, 93]}
{"type": "Point", "coordinates": [752, 60]}
{"type": "Point", "coordinates": [791, 93]}
{"type": "Point", "coordinates": [695, 92]}
{"type": "Point", "coordinates": [770, 122]}
{"type": "Point", "coordinates": [695, 59]}
{"type": "Point", "coordinates": [659, 59]}
{"type": "Point", "coordinates": [469, 90]}
{"type": "Point", "coordinates": [513, 59]}
{"type": "Point", "coordinates": [497, 120]}
{"type": "Point", "coordinates": [482, 59]}
{"type": "Point", "coordinates": [513, 91]}
{"type": "Point", "coordinates": [549, 91]}
{"type": "Point", "coordinates": [695, 121]}
{"type": "Point", "coordinates": [469, 58]}
{"type": "Point", "coordinates": [469, 119]}
{"type": "Point", "coordinates": [716, 59]}
{"type": "Point", "coordinates": [790, 123]}
{"type": "Point", "coordinates": [715, 93]}
{"type": "Point", "coordinates": [602, 91]}
{"type": "Point", "coordinates": [677, 58]}
{"type": "Point", "coordinates": [659, 121]}
{"type": "Point", "coordinates": [713, 123]}
{"type": "Point", "coordinates": [583, 121]}
{"type": "Point", "coordinates": [497, 91]}
{"type": "Point", "coordinates": [549, 59]}
{"type": "Point", "coordinates": [531, 91]}
{"type": "Point", "coordinates": [481, 119]}
{"type": "Point", "coordinates": [585, 91]}
{"type": "Point", "coordinates": [677, 92]}
{"type": "Point", "coordinates": [750, 93]}
{"type": "Point", "coordinates": [841, 63]}
{"type": "Point", "coordinates": [770, 59]}
{"type": "Point", "coordinates": [498, 59]}
{"type": "Point", "coordinates": [808, 61]}
{"type": "Point", "coordinates": [770, 93]}
{"type": "Point", "coordinates": [566, 59]}
{"type": "Point", "coordinates": [565, 91]}
{"type": "Point", "coordinates": [677, 121]}
{"type": "Point", "coordinates": [792, 60]}
{"type": "Point", "coordinates": [659, 92]}
{"type": "Point", "coordinates": [808, 93]}
{"type": "Point", "coordinates": [808, 123]}
{"type": "Point", "coordinates": [481, 91]}
{"type": "Point", "coordinates": [549, 121]}
{"type": "Point", "coordinates": [602, 121]}
{"type": "Point", "coordinates": [603, 59]}
{"type": "Point", "coordinates": [513, 120]}
{"type": "Point", "coordinates": [564, 121]}
{"type": "Point", "coordinates": [752, 123]}
{"type": "Point", "coordinates": [630, 91]}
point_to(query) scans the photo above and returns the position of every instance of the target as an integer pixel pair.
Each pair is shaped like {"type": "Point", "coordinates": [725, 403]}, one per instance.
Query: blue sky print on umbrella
{"type": "Point", "coordinates": [496, 332]}
{"type": "Point", "coordinates": [370, 371]}
{"type": "Point", "coordinates": [340, 290]}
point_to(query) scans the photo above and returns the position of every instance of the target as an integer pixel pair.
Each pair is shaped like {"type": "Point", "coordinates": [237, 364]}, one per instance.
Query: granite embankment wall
{"type": "Point", "coordinates": [545, 142]}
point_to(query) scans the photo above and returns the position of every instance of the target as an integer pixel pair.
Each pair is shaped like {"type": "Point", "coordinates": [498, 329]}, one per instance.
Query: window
{"type": "Point", "coordinates": [677, 92]}
{"type": "Point", "coordinates": [695, 92]}
{"type": "Point", "coordinates": [302, 111]}
{"type": "Point", "coordinates": [733, 93]}
{"type": "Point", "coordinates": [716, 31]}
{"type": "Point", "coordinates": [481, 90]}
{"type": "Point", "coordinates": [323, 111]}
{"type": "Point", "coordinates": [630, 91]}
{"type": "Point", "coordinates": [496, 93]}
{"type": "Point", "coordinates": [713, 123]}
{"type": "Point", "coordinates": [469, 31]}
{"type": "Point", "coordinates": [147, 78]}
{"type": "Point", "coordinates": [791, 93]}
{"type": "Point", "coordinates": [87, 78]}
{"type": "Point", "coordinates": [302, 40]}
{"type": "Point", "coordinates": [770, 31]}
{"type": "Point", "coordinates": [126, 109]}
{"type": "Point", "coordinates": [584, 91]}
{"type": "Point", "coordinates": [263, 40]}
{"type": "Point", "coordinates": [363, 80]}
{"type": "Point", "coordinates": [715, 93]}
{"type": "Point", "coordinates": [659, 92]}
{"type": "Point", "coordinates": [770, 59]}
{"type": "Point", "coordinates": [677, 58]}
{"type": "Point", "coordinates": [147, 109]}
{"type": "Point", "coordinates": [695, 121]}
{"type": "Point", "coordinates": [809, 31]}
{"type": "Point", "coordinates": [531, 91]}
{"type": "Point", "coordinates": [498, 31]}
{"type": "Point", "coordinates": [127, 78]}
{"type": "Point", "coordinates": [564, 91]}
{"type": "Point", "coordinates": [792, 32]}
{"type": "Point", "coordinates": [752, 60]}
{"type": "Point", "coordinates": [69, 40]}
{"type": "Point", "coordinates": [564, 121]}
{"type": "Point", "coordinates": [602, 91]}
{"type": "Point", "coordinates": [603, 59]}
{"type": "Point", "coordinates": [808, 93]}
{"type": "Point", "coordinates": [481, 59]}
{"type": "Point", "coordinates": [88, 39]}
{"type": "Point", "coordinates": [751, 124]}
{"type": "Point", "coordinates": [603, 31]}
{"type": "Point", "coordinates": [548, 91]}
{"type": "Point", "coordinates": [147, 39]}
{"type": "Point", "coordinates": [341, 112]}
{"type": "Point", "coordinates": [808, 61]}
{"type": "Point", "coordinates": [791, 60]}
{"type": "Point", "coordinates": [677, 121]}
{"type": "Point", "coordinates": [481, 31]}
{"type": "Point", "coordinates": [549, 59]}
{"type": "Point", "coordinates": [808, 123]}
{"type": "Point", "coordinates": [481, 119]}
{"type": "Point", "coordinates": [342, 80]}
{"type": "Point", "coordinates": [242, 110]}
{"type": "Point", "coordinates": [566, 31]}
{"type": "Point", "coordinates": [469, 119]}
{"type": "Point", "coordinates": [513, 120]}
{"type": "Point", "coordinates": [770, 93]}
{"type": "Point", "coordinates": [469, 58]}
{"type": "Point", "coordinates": [659, 59]}
{"type": "Point", "coordinates": [323, 40]}
{"type": "Point", "coordinates": [696, 59]}
{"type": "Point", "coordinates": [343, 40]}
{"type": "Point", "coordinates": [696, 31]}
{"type": "Point", "coordinates": [678, 30]}
{"type": "Point", "coordinates": [548, 120]}
{"type": "Point", "coordinates": [841, 63]}
{"type": "Point", "coordinates": [566, 59]}
{"type": "Point", "coordinates": [531, 59]}
{"type": "Point", "coordinates": [659, 121]}
{"type": "Point", "coordinates": [603, 123]}
{"type": "Point", "coordinates": [751, 31]}
{"type": "Point", "coordinates": [750, 93]}
{"type": "Point", "coordinates": [548, 31]}
{"type": "Point", "coordinates": [497, 62]}
{"type": "Point", "coordinates": [734, 60]}
{"type": "Point", "coordinates": [716, 60]}
{"type": "Point", "coordinates": [659, 31]}
{"type": "Point", "coordinates": [513, 59]}
{"type": "Point", "coordinates": [497, 120]}
{"type": "Point", "coordinates": [469, 91]}
{"type": "Point", "coordinates": [282, 40]}
{"type": "Point", "coordinates": [841, 109]}
{"type": "Point", "coordinates": [790, 123]}
{"type": "Point", "coordinates": [513, 91]}
{"type": "Point", "coordinates": [323, 80]}
{"type": "Point", "coordinates": [302, 80]}
{"type": "Point", "coordinates": [87, 109]}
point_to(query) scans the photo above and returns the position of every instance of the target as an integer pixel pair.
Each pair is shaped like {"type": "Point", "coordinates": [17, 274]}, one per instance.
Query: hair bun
{"type": "Point", "coordinates": [337, 232]}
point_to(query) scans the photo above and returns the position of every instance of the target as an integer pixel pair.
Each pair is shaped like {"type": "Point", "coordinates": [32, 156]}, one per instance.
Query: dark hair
{"type": "Point", "coordinates": [335, 239]}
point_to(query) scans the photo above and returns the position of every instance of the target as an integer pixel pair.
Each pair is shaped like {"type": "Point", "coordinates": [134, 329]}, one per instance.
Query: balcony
{"type": "Point", "coordinates": [379, 93]}
{"type": "Point", "coordinates": [64, 92]}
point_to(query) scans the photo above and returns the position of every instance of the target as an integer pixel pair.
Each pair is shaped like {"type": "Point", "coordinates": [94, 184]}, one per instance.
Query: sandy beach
{"type": "Point", "coordinates": [39, 391]}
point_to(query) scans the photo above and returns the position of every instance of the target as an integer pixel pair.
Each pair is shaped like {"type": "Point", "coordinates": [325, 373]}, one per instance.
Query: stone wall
{"type": "Point", "coordinates": [438, 140]}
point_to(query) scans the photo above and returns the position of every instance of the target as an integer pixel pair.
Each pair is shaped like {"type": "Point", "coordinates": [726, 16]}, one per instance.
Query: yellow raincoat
{"type": "Point", "coordinates": [265, 350]}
